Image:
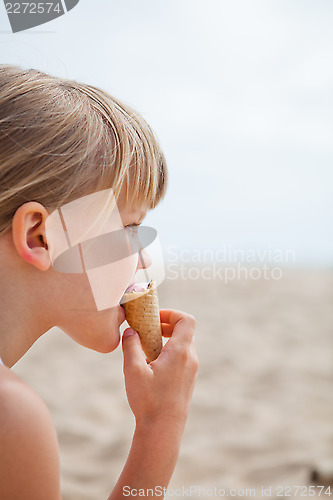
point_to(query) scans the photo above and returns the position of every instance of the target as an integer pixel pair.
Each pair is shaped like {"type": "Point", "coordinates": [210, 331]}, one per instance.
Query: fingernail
{"type": "Point", "coordinates": [128, 332]}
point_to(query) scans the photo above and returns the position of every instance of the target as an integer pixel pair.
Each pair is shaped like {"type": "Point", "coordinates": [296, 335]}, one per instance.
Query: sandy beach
{"type": "Point", "coordinates": [262, 411]}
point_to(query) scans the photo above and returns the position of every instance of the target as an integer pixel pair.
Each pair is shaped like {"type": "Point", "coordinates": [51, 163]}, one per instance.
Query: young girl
{"type": "Point", "coordinates": [59, 141]}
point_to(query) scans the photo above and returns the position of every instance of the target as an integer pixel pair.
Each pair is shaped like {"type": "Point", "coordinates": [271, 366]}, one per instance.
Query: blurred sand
{"type": "Point", "coordinates": [262, 411]}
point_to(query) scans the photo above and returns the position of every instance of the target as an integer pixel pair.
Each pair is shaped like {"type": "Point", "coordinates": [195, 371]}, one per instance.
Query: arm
{"type": "Point", "coordinates": [159, 395]}
{"type": "Point", "coordinates": [29, 457]}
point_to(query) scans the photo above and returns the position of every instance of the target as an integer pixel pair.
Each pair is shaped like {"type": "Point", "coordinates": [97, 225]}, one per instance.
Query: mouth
{"type": "Point", "coordinates": [122, 314]}
{"type": "Point", "coordinates": [137, 287]}
{"type": "Point", "coordinates": [129, 286]}
{"type": "Point", "coordinates": [134, 287]}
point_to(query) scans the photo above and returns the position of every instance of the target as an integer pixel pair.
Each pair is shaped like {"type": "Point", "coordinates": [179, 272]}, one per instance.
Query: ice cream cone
{"type": "Point", "coordinates": [142, 314]}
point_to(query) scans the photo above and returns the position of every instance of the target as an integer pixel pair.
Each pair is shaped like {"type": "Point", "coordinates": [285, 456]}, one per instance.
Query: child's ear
{"type": "Point", "coordinates": [29, 235]}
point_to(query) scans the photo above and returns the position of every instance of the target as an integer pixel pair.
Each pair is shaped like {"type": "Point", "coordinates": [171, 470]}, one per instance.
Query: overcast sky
{"type": "Point", "coordinates": [239, 93]}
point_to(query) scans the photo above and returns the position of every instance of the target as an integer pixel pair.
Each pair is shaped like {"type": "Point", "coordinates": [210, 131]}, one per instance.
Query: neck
{"type": "Point", "coordinates": [22, 311]}
{"type": "Point", "coordinates": [20, 327]}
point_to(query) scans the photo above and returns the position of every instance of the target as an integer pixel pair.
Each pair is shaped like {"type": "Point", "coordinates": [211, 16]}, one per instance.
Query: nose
{"type": "Point", "coordinates": [144, 260]}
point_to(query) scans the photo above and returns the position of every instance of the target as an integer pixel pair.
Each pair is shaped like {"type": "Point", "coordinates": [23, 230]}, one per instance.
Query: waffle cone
{"type": "Point", "coordinates": [142, 314]}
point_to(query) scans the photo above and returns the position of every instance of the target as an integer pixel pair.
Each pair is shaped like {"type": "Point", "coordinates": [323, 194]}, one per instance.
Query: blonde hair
{"type": "Point", "coordinates": [61, 140]}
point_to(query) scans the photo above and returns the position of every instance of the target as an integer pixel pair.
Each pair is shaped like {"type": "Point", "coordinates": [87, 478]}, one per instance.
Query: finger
{"type": "Point", "coordinates": [171, 315]}
{"type": "Point", "coordinates": [182, 324]}
{"type": "Point", "coordinates": [166, 329]}
{"type": "Point", "coordinates": [133, 354]}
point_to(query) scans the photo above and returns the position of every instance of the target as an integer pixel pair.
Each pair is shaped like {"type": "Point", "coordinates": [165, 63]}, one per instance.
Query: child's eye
{"type": "Point", "coordinates": [132, 228]}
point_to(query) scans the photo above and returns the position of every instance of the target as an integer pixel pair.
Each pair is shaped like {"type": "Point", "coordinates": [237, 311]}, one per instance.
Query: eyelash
{"type": "Point", "coordinates": [134, 227]}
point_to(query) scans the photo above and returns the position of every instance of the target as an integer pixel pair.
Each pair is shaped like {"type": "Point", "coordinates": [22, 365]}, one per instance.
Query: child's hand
{"type": "Point", "coordinates": [159, 394]}
{"type": "Point", "coordinates": [161, 391]}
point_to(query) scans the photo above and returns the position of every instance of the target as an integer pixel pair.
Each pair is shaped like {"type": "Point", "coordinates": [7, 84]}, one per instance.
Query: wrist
{"type": "Point", "coordinates": [170, 424]}
{"type": "Point", "coordinates": [160, 433]}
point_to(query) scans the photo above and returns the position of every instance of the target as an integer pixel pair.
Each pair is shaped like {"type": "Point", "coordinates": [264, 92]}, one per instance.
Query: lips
{"type": "Point", "coordinates": [122, 314]}
{"type": "Point", "coordinates": [137, 287]}
{"type": "Point", "coordinates": [128, 288]}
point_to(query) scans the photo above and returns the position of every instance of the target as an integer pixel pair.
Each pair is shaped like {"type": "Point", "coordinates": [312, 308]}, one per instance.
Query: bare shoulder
{"type": "Point", "coordinates": [29, 458]}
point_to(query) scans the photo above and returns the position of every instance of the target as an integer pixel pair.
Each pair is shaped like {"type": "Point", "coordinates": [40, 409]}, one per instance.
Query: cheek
{"type": "Point", "coordinates": [108, 283]}
{"type": "Point", "coordinates": [73, 293]}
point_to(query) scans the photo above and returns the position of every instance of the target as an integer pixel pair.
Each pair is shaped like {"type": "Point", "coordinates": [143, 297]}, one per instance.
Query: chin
{"type": "Point", "coordinates": [108, 343]}
{"type": "Point", "coordinates": [103, 340]}
{"type": "Point", "coordinates": [100, 333]}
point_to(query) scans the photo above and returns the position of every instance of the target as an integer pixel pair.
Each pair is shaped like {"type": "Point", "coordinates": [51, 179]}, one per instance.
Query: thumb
{"type": "Point", "coordinates": [133, 353]}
